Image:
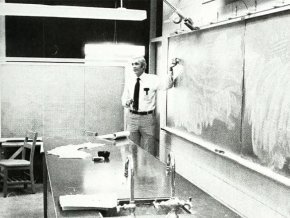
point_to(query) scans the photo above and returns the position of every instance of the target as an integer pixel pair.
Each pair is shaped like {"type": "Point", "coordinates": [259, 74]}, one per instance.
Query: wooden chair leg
{"type": "Point", "coordinates": [5, 173]}
{"type": "Point", "coordinates": [32, 183]}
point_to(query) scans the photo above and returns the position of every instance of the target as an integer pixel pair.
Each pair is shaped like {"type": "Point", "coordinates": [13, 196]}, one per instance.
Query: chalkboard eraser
{"type": "Point", "coordinates": [219, 151]}
{"type": "Point", "coordinates": [98, 159]}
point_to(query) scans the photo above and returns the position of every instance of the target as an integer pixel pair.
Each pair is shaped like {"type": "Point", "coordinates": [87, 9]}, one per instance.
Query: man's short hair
{"type": "Point", "coordinates": [141, 60]}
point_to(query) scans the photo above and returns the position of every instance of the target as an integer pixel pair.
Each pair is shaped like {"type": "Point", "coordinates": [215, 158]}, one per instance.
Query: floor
{"type": "Point", "coordinates": [21, 203]}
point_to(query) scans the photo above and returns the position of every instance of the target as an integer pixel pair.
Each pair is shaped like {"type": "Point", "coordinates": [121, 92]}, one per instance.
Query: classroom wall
{"type": "Point", "coordinates": [245, 191]}
{"type": "Point", "coordinates": [58, 99]}
{"type": "Point", "coordinates": [2, 35]}
{"type": "Point", "coordinates": [250, 191]}
{"type": "Point", "coordinates": [2, 48]}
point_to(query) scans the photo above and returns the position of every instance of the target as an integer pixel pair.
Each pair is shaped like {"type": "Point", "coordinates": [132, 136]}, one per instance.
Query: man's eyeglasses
{"type": "Point", "coordinates": [135, 63]}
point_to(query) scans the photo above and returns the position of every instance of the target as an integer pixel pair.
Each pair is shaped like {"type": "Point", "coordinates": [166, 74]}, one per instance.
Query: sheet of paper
{"type": "Point", "coordinates": [74, 151]}
{"type": "Point", "coordinates": [116, 135]}
{"type": "Point", "coordinates": [82, 202]}
{"type": "Point", "coordinates": [89, 145]}
{"type": "Point", "coordinates": [74, 155]}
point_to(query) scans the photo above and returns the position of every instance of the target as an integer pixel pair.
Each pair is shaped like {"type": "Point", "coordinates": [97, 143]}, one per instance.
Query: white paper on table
{"type": "Point", "coordinates": [89, 145]}
{"type": "Point", "coordinates": [73, 151]}
{"type": "Point", "coordinates": [116, 135]}
{"type": "Point", "coordinates": [81, 202]}
{"type": "Point", "coordinates": [74, 155]}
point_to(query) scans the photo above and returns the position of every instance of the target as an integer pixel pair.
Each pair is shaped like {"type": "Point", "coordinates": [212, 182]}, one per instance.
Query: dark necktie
{"type": "Point", "coordinates": [136, 95]}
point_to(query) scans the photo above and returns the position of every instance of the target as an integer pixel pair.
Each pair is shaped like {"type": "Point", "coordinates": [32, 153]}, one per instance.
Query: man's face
{"type": "Point", "coordinates": [137, 67]}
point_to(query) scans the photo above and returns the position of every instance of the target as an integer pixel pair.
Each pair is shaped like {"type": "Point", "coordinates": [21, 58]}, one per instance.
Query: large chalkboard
{"type": "Point", "coordinates": [234, 91]}
{"type": "Point", "coordinates": [267, 83]}
{"type": "Point", "coordinates": [207, 98]}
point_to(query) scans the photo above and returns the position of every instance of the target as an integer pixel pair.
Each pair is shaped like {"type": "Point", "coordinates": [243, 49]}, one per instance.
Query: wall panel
{"type": "Point", "coordinates": [22, 99]}
{"type": "Point", "coordinates": [61, 99]}
{"type": "Point", "coordinates": [103, 91]}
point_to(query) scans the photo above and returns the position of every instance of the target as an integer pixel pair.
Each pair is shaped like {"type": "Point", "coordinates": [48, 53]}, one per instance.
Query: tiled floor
{"type": "Point", "coordinates": [203, 205]}
{"type": "Point", "coordinates": [21, 203]}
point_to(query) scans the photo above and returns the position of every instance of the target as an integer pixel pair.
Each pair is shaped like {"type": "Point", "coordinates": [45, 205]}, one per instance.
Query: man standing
{"type": "Point", "coordinates": [139, 97]}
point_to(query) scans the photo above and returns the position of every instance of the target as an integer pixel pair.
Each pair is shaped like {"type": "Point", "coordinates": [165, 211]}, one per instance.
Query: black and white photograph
{"type": "Point", "coordinates": [145, 108]}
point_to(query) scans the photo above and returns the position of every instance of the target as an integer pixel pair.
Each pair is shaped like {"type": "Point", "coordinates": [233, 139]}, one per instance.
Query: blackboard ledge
{"type": "Point", "coordinates": [229, 155]}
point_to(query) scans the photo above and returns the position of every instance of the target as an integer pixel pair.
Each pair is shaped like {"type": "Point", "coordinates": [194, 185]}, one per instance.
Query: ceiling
{"type": "Point", "coordinates": [64, 37]}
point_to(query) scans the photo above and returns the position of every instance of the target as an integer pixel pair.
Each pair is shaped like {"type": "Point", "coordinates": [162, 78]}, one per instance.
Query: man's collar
{"type": "Point", "coordinates": [142, 75]}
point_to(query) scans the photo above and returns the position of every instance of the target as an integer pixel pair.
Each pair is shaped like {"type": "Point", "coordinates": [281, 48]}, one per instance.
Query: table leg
{"type": "Point", "coordinates": [44, 185]}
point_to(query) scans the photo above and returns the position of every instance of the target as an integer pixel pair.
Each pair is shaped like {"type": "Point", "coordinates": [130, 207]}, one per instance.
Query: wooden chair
{"type": "Point", "coordinates": [24, 168]}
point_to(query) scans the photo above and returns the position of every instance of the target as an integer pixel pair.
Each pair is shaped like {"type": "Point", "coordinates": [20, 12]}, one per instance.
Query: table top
{"type": "Point", "coordinates": [16, 139]}
{"type": "Point", "coordinates": [83, 176]}
{"type": "Point", "coordinates": [17, 142]}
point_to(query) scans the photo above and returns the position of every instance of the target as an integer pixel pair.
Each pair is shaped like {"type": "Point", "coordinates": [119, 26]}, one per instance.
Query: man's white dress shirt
{"type": "Point", "coordinates": [149, 84]}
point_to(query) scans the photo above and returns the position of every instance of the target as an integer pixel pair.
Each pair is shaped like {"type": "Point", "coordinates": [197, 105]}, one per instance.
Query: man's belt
{"type": "Point", "coordinates": [142, 112]}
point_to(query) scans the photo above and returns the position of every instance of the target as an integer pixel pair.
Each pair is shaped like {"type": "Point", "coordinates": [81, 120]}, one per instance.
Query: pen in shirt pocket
{"type": "Point", "coordinates": [146, 90]}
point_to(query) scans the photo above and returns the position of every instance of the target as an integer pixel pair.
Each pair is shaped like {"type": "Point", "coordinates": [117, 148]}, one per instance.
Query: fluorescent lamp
{"type": "Point", "coordinates": [36, 10]}
{"type": "Point", "coordinates": [112, 52]}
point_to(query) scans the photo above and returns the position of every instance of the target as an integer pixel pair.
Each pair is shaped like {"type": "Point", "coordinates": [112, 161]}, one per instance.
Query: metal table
{"type": "Point", "coordinates": [83, 176]}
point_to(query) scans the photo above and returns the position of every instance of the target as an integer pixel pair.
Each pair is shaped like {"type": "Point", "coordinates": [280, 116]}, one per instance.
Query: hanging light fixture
{"type": "Point", "coordinates": [108, 52]}
{"type": "Point", "coordinates": [37, 10]}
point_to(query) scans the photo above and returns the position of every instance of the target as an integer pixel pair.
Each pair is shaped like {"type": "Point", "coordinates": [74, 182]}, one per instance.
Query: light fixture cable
{"type": "Point", "coordinates": [115, 24]}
